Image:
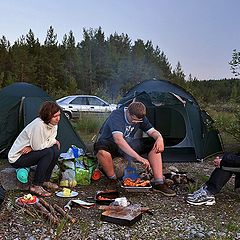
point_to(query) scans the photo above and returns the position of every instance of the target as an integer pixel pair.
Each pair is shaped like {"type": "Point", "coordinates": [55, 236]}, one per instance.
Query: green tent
{"type": "Point", "coordinates": [188, 131]}
{"type": "Point", "coordinates": [20, 103]}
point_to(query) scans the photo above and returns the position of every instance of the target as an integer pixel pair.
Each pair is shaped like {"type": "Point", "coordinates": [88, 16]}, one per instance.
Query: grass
{"type": "Point", "coordinates": [90, 122]}
{"type": "Point", "coordinates": [60, 227]}
{"type": "Point", "coordinates": [201, 179]}
{"type": "Point", "coordinates": [88, 125]}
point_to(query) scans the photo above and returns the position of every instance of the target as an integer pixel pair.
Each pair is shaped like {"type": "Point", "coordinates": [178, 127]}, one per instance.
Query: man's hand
{"type": "Point", "coordinates": [145, 162]}
{"type": "Point", "coordinates": [158, 145]}
{"type": "Point", "coordinates": [217, 162]}
{"type": "Point", "coordinates": [26, 150]}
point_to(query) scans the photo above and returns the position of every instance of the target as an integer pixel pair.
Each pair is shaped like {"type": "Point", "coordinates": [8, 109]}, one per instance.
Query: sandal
{"type": "Point", "coordinates": [40, 191]}
{"type": "Point", "coordinates": [51, 186]}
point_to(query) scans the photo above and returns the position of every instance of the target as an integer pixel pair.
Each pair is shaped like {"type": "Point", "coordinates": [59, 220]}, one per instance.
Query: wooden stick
{"type": "Point", "coordinates": [46, 213]}
{"type": "Point", "coordinates": [33, 215]}
{"type": "Point", "coordinates": [63, 213]}
{"type": "Point", "coordinates": [26, 209]}
{"type": "Point", "coordinates": [49, 207]}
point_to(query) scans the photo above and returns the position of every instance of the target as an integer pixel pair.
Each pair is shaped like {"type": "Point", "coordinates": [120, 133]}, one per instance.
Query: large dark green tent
{"type": "Point", "coordinates": [188, 131]}
{"type": "Point", "coordinates": [20, 103]}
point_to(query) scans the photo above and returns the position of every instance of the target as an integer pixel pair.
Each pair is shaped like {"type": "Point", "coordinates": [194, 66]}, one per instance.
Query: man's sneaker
{"type": "Point", "coordinates": [202, 197]}
{"type": "Point", "coordinates": [164, 189]}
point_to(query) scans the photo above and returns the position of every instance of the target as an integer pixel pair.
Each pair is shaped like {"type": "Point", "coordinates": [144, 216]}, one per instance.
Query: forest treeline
{"type": "Point", "coordinates": [107, 67]}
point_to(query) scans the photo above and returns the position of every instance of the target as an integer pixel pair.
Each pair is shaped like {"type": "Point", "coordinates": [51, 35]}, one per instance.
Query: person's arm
{"type": "Point", "coordinates": [159, 144]}
{"type": "Point", "coordinates": [230, 160]}
{"type": "Point", "coordinates": [38, 139]}
{"type": "Point", "coordinates": [124, 146]}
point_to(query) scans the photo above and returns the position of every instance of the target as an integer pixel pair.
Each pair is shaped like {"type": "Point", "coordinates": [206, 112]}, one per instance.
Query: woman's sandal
{"type": "Point", "coordinates": [40, 191]}
{"type": "Point", "coordinates": [51, 186]}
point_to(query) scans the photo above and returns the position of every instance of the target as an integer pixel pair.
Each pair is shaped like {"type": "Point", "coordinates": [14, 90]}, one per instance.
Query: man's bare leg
{"type": "Point", "coordinates": [155, 160]}
{"type": "Point", "coordinates": [105, 159]}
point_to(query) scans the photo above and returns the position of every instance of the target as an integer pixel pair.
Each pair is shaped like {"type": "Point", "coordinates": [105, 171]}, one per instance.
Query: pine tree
{"type": "Point", "coordinates": [5, 64]}
{"type": "Point", "coordinates": [235, 63]}
{"type": "Point", "coordinates": [178, 75]}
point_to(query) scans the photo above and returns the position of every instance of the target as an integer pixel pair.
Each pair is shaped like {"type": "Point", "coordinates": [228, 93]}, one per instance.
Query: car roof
{"type": "Point", "coordinates": [70, 97]}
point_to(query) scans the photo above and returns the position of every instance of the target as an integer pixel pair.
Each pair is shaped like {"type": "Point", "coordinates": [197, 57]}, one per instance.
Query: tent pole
{"type": "Point", "coordinates": [20, 110]}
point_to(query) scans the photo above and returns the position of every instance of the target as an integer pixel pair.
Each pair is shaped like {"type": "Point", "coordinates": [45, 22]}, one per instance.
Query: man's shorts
{"type": "Point", "coordinates": [140, 145]}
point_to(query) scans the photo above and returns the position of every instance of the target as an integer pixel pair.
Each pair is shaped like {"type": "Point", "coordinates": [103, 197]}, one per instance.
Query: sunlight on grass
{"type": "Point", "coordinates": [88, 125]}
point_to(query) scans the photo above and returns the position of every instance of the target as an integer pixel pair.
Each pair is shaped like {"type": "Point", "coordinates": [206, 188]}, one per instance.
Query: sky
{"type": "Point", "coordinates": [200, 34]}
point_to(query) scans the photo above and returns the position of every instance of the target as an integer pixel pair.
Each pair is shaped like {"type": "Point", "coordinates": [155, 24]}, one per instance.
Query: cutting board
{"type": "Point", "coordinates": [121, 217]}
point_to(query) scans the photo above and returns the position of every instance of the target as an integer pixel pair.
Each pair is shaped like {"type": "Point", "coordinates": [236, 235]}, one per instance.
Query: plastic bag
{"type": "Point", "coordinates": [68, 178]}
{"type": "Point", "coordinates": [56, 174]}
{"type": "Point", "coordinates": [89, 163]}
{"type": "Point", "coordinates": [69, 164]}
{"type": "Point", "coordinates": [68, 174]}
{"type": "Point", "coordinates": [83, 176]}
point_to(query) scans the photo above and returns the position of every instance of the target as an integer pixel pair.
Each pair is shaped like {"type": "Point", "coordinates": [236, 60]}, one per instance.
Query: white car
{"type": "Point", "coordinates": [72, 106]}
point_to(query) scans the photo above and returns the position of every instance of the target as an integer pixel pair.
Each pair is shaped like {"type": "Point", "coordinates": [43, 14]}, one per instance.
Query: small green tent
{"type": "Point", "coordinates": [20, 103]}
{"type": "Point", "coordinates": [188, 131]}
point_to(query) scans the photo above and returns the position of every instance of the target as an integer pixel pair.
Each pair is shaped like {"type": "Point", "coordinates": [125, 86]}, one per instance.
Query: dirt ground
{"type": "Point", "coordinates": [170, 218]}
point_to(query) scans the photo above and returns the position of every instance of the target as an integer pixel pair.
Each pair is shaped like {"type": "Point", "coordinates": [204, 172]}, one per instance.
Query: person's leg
{"type": "Point", "coordinates": [53, 162]}
{"type": "Point", "coordinates": [106, 161]}
{"type": "Point", "coordinates": [217, 180]}
{"type": "Point", "coordinates": [155, 160]}
{"type": "Point", "coordinates": [41, 158]}
{"type": "Point", "coordinates": [105, 150]}
{"type": "Point", "coordinates": [145, 146]}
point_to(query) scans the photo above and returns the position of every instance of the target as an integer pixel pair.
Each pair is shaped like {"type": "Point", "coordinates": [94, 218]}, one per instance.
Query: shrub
{"type": "Point", "coordinates": [229, 123]}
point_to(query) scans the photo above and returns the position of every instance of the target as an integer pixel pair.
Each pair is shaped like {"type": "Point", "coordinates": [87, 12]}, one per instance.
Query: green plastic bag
{"type": "Point", "coordinates": [84, 167]}
{"type": "Point", "coordinates": [90, 164]}
{"type": "Point", "coordinates": [83, 176]}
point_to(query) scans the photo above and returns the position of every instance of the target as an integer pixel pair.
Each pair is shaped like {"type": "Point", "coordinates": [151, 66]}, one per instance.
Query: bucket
{"type": "Point", "coordinates": [22, 174]}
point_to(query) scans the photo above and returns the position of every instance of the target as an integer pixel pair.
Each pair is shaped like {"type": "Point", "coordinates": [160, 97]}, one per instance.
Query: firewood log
{"type": "Point", "coordinates": [63, 213]}
{"type": "Point", "coordinates": [46, 213]}
{"type": "Point", "coordinates": [49, 207]}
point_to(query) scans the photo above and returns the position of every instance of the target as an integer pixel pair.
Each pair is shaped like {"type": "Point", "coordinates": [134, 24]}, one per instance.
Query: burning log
{"type": "Point", "coordinates": [64, 214]}
{"type": "Point", "coordinates": [46, 213]}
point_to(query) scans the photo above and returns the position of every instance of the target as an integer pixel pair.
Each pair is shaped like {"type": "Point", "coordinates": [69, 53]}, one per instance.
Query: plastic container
{"type": "Point", "coordinates": [22, 174]}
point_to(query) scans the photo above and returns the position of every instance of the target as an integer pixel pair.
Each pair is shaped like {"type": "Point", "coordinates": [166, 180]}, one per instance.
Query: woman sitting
{"type": "Point", "coordinates": [37, 145]}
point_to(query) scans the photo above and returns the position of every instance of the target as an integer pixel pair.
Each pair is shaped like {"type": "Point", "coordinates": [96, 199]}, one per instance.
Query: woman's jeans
{"type": "Point", "coordinates": [45, 160]}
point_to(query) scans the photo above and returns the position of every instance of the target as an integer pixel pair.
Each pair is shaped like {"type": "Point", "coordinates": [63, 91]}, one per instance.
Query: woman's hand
{"type": "Point", "coordinates": [58, 144]}
{"type": "Point", "coordinates": [26, 150]}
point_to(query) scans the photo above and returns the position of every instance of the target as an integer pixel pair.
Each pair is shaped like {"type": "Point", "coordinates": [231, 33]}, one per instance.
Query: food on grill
{"type": "Point", "coordinates": [128, 182]}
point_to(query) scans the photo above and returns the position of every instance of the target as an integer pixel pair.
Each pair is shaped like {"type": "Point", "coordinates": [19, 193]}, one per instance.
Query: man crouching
{"type": "Point", "coordinates": [116, 138]}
